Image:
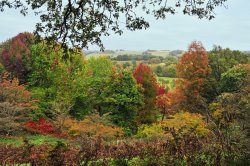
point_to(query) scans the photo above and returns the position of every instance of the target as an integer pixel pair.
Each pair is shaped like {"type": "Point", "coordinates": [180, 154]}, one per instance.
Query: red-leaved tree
{"type": "Point", "coordinates": [16, 54]}
{"type": "Point", "coordinates": [147, 80]}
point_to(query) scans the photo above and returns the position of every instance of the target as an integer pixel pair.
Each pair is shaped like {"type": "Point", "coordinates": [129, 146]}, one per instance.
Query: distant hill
{"type": "Point", "coordinates": [113, 54]}
{"type": "Point", "coordinates": [176, 53]}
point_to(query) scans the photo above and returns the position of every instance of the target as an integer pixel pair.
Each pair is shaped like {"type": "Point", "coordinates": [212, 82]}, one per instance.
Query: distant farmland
{"type": "Point", "coordinates": [112, 54]}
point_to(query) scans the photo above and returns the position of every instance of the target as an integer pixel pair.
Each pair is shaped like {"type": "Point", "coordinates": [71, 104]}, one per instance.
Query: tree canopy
{"type": "Point", "coordinates": [82, 22]}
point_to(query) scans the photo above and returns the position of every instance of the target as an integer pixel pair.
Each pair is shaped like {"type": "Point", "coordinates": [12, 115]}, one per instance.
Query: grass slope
{"type": "Point", "coordinates": [33, 139]}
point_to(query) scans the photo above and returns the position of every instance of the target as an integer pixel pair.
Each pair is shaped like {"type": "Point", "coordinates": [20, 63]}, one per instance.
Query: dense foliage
{"type": "Point", "coordinates": [147, 80]}
{"type": "Point", "coordinates": [93, 112]}
{"type": "Point", "coordinates": [192, 71]}
{"type": "Point", "coordinates": [15, 55]}
{"type": "Point", "coordinates": [15, 105]}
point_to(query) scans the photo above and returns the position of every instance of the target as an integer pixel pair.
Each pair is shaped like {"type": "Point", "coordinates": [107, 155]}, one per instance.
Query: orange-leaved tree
{"type": "Point", "coordinates": [192, 71]}
{"type": "Point", "coordinates": [165, 102]}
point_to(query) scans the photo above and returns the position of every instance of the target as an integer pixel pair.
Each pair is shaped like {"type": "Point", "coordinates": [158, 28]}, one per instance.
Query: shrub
{"type": "Point", "coordinates": [43, 127]}
{"type": "Point", "coordinates": [152, 132]}
{"type": "Point", "coordinates": [181, 122]}
{"type": "Point", "coordinates": [15, 105]}
{"type": "Point", "coordinates": [187, 121]}
{"type": "Point", "coordinates": [93, 126]}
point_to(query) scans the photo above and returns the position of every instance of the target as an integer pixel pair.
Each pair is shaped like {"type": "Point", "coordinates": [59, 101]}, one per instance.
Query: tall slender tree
{"type": "Point", "coordinates": [147, 80]}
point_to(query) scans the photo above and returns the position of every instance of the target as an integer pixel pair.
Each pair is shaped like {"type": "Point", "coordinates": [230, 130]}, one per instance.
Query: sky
{"type": "Point", "coordinates": [230, 28]}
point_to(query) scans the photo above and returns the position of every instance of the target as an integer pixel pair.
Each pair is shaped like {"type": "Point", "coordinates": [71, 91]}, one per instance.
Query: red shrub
{"type": "Point", "coordinates": [43, 127]}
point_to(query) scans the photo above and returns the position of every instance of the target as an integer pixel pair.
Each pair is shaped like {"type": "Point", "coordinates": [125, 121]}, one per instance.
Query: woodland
{"type": "Point", "coordinates": [190, 108]}
{"type": "Point", "coordinates": [60, 106]}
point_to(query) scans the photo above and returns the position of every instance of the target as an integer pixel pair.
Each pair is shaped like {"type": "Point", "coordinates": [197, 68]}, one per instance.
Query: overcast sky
{"type": "Point", "coordinates": [230, 28]}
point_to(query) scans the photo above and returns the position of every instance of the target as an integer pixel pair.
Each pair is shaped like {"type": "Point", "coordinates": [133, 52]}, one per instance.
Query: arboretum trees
{"type": "Point", "coordinates": [79, 23]}
{"type": "Point", "coordinates": [78, 87]}
{"type": "Point", "coordinates": [75, 86]}
{"type": "Point", "coordinates": [95, 101]}
{"type": "Point", "coordinates": [235, 79]}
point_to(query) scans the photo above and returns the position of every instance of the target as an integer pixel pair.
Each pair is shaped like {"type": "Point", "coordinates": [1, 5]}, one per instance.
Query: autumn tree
{"type": "Point", "coordinates": [192, 70]}
{"type": "Point", "coordinates": [164, 102]}
{"type": "Point", "coordinates": [15, 55]}
{"type": "Point", "coordinates": [85, 21]}
{"type": "Point", "coordinates": [147, 80]}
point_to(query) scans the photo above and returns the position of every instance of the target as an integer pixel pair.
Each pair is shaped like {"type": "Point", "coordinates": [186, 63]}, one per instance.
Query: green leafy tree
{"type": "Point", "coordinates": [109, 90]}
{"type": "Point", "coordinates": [96, 83]}
{"type": "Point", "coordinates": [235, 78]}
{"type": "Point", "coordinates": [126, 100]}
{"type": "Point", "coordinates": [230, 116]}
{"type": "Point", "coordinates": [100, 66]}
{"type": "Point", "coordinates": [4, 45]}
{"type": "Point", "coordinates": [169, 71]}
{"type": "Point", "coordinates": [2, 70]}
{"type": "Point", "coordinates": [126, 65]}
{"type": "Point", "coordinates": [159, 71]}
{"type": "Point", "coordinates": [221, 60]}
{"type": "Point", "coordinates": [55, 81]}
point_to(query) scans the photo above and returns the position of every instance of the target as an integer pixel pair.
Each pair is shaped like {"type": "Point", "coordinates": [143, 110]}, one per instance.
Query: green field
{"type": "Point", "coordinates": [34, 139]}
{"type": "Point", "coordinates": [160, 53]}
